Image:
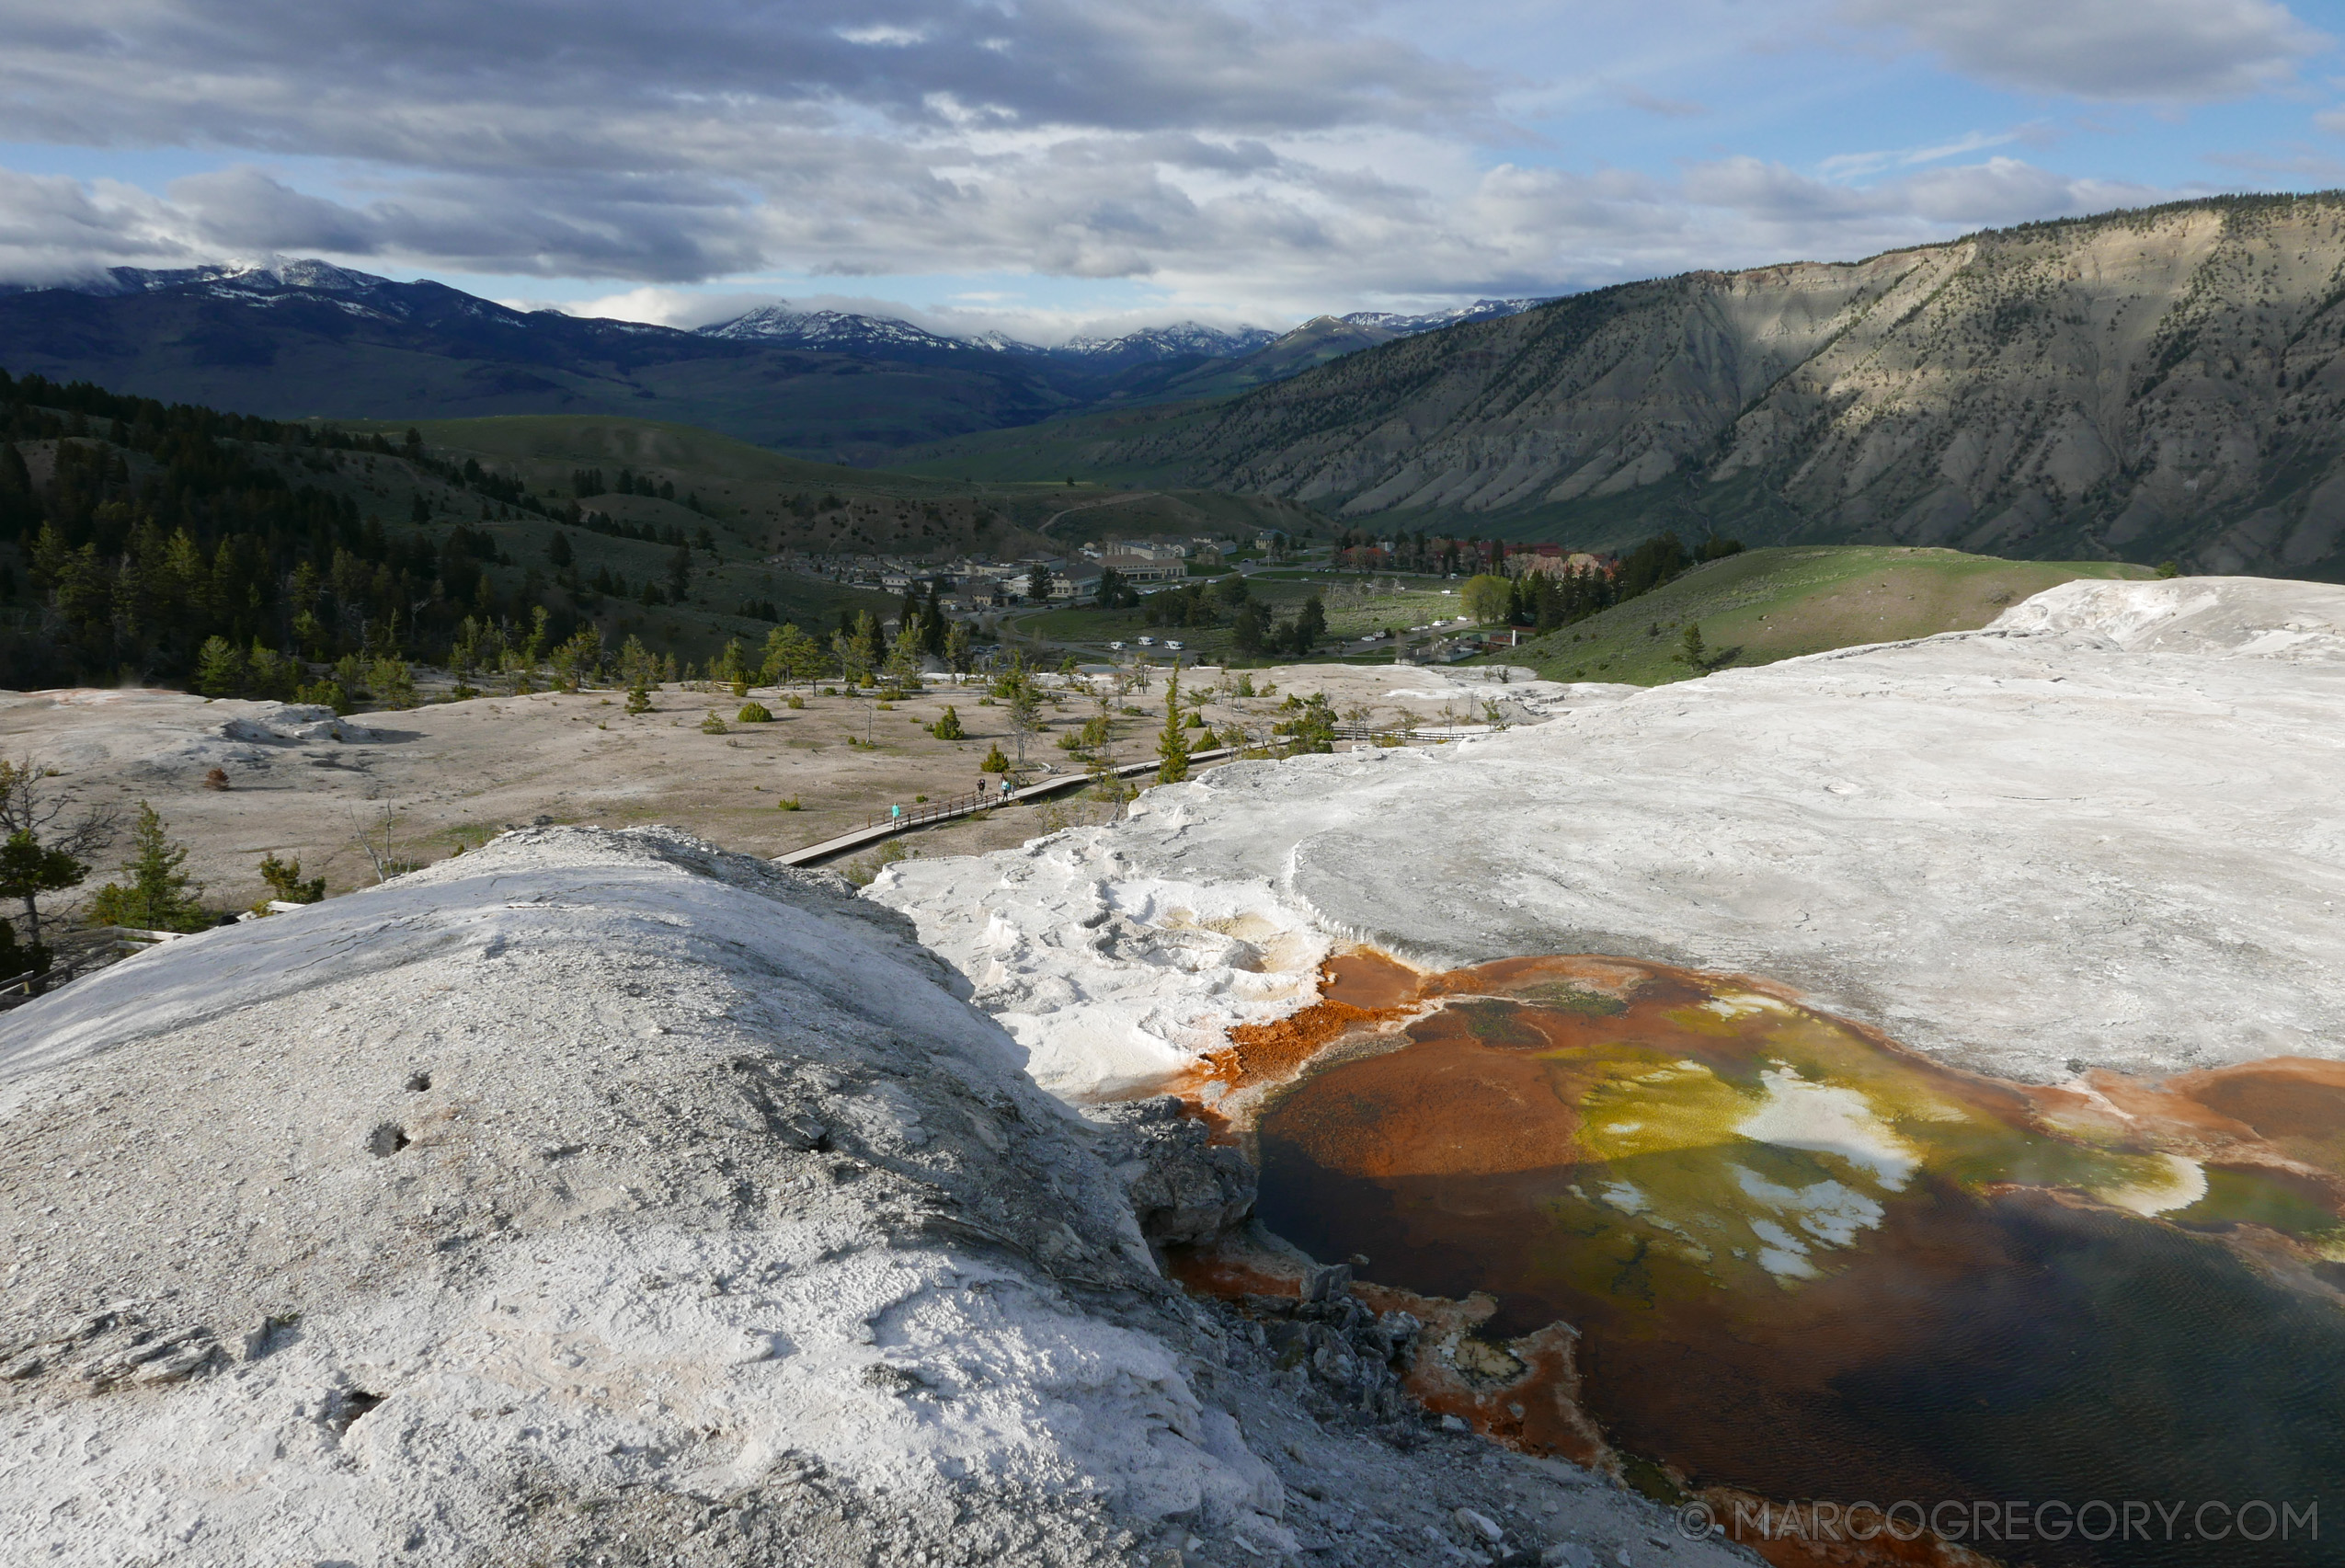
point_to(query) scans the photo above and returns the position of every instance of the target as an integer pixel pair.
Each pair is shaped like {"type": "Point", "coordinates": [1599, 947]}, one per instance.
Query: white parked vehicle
{"type": "Point", "coordinates": [1116, 647]}
{"type": "Point", "coordinates": [1175, 646]}
{"type": "Point", "coordinates": [1148, 642]}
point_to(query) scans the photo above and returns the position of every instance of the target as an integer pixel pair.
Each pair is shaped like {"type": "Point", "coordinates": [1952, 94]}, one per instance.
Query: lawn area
{"type": "Point", "coordinates": [1765, 605]}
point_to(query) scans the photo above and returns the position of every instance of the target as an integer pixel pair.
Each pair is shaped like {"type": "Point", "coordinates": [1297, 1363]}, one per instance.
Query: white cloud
{"type": "Point", "coordinates": [2142, 50]}
{"type": "Point", "coordinates": [1226, 159]}
{"type": "Point", "coordinates": [1855, 166]}
{"type": "Point", "coordinates": [52, 229]}
{"type": "Point", "coordinates": [659, 306]}
{"type": "Point", "coordinates": [1257, 246]}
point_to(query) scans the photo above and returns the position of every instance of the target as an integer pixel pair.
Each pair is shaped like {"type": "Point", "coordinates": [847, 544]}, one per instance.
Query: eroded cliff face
{"type": "Point", "coordinates": [2144, 384]}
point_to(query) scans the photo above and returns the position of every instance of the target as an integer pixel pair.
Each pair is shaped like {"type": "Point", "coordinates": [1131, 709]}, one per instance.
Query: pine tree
{"type": "Point", "coordinates": [1172, 746]}
{"type": "Point", "coordinates": [933, 630]}
{"type": "Point", "coordinates": [28, 870]}
{"type": "Point", "coordinates": [285, 882]}
{"type": "Point", "coordinates": [731, 670]}
{"type": "Point", "coordinates": [949, 726]}
{"type": "Point", "coordinates": [1310, 624]}
{"type": "Point", "coordinates": [904, 657]}
{"type": "Point", "coordinates": [160, 895]}
{"type": "Point", "coordinates": [1313, 730]}
{"type": "Point", "coordinates": [393, 684]}
{"type": "Point", "coordinates": [1691, 651]}
{"type": "Point", "coordinates": [219, 669]}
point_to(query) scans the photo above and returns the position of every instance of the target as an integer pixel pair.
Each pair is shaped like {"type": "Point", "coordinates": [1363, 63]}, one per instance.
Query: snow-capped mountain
{"type": "Point", "coordinates": [1405, 326]}
{"type": "Point", "coordinates": [840, 331]}
{"type": "Point", "coordinates": [777, 324]}
{"type": "Point", "coordinates": [1179, 340]}
{"type": "Point", "coordinates": [299, 338]}
{"type": "Point", "coordinates": [319, 276]}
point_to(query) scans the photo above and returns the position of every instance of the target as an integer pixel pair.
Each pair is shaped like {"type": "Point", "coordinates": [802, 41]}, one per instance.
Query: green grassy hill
{"type": "Point", "coordinates": [1764, 605]}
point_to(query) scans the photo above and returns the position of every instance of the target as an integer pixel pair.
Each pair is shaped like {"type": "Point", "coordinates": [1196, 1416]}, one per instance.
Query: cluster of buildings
{"type": "Point", "coordinates": [971, 586]}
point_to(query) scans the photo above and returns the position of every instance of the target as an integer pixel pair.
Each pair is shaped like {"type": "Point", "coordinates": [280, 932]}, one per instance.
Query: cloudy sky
{"type": "Point", "coordinates": [1045, 165]}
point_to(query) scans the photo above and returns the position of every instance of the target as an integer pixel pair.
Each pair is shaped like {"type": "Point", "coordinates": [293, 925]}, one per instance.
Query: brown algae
{"type": "Point", "coordinates": [1800, 1259]}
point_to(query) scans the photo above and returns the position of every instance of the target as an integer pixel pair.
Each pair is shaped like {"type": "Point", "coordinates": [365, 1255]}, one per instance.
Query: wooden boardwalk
{"type": "Point", "coordinates": [878, 828]}
{"type": "Point", "coordinates": [903, 820]}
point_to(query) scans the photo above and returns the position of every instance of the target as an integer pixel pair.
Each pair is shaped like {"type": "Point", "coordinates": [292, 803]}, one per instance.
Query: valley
{"type": "Point", "coordinates": [1173, 786]}
{"type": "Point", "coordinates": [2138, 386]}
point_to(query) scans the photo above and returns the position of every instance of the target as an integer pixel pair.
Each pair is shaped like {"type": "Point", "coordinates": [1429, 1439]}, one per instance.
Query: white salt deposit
{"type": "Point", "coordinates": [1113, 983]}
{"type": "Point", "coordinates": [2102, 830]}
{"type": "Point", "coordinates": [2167, 1183]}
{"type": "Point", "coordinates": [1825, 1118]}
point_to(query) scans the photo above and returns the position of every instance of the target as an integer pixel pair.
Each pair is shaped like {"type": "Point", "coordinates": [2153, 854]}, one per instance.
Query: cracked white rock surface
{"type": "Point", "coordinates": [601, 1197]}
{"type": "Point", "coordinates": [2104, 829]}
{"type": "Point", "coordinates": [589, 1255]}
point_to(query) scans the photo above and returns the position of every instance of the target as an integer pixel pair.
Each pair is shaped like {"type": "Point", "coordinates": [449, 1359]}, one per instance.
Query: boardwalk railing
{"type": "Point", "coordinates": [880, 826]}
{"type": "Point", "coordinates": [97, 948]}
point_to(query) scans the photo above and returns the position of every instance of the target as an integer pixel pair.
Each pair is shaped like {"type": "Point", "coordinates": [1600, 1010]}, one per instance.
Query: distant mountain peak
{"type": "Point", "coordinates": [1180, 338]}
{"type": "Point", "coordinates": [1403, 326]}
{"type": "Point", "coordinates": [297, 273]}
{"type": "Point", "coordinates": [779, 325]}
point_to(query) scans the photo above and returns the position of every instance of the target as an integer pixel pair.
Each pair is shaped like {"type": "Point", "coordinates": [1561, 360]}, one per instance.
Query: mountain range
{"type": "Point", "coordinates": [305, 338]}
{"type": "Point", "coordinates": [2164, 383]}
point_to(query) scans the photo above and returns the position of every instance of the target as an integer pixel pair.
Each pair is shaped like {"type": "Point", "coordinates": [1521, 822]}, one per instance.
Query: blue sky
{"type": "Point", "coordinates": [1044, 166]}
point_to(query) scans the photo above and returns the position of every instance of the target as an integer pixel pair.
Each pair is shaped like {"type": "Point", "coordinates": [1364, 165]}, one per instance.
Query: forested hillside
{"type": "Point", "coordinates": [134, 535]}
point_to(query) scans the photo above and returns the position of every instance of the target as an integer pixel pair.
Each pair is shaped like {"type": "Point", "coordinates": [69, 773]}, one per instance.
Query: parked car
{"type": "Point", "coordinates": [1173, 645]}
{"type": "Point", "coordinates": [1148, 642]}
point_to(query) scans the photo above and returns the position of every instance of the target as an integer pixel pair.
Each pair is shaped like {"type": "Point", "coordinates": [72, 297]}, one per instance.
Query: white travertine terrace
{"type": "Point", "coordinates": [2105, 828]}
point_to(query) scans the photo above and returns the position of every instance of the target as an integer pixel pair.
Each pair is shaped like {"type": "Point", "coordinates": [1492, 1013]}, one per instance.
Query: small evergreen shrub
{"type": "Point", "coordinates": [753, 712]}
{"type": "Point", "coordinates": [158, 893]}
{"type": "Point", "coordinates": [285, 883]}
{"type": "Point", "coordinates": [711, 725]}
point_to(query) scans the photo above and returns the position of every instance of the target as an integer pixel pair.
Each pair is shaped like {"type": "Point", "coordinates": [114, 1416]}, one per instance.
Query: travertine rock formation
{"type": "Point", "coordinates": [2101, 830]}
{"type": "Point", "coordinates": [601, 1197]}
